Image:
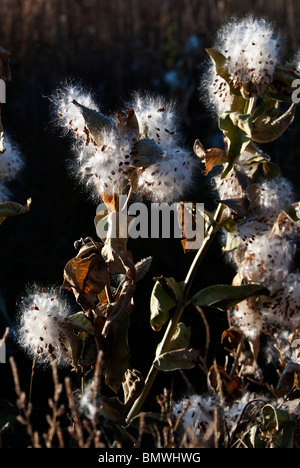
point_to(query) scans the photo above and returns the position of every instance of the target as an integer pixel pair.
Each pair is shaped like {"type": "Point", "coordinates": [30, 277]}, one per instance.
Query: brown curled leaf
{"type": "Point", "coordinates": [211, 157]}
{"type": "Point", "coordinates": [86, 278]}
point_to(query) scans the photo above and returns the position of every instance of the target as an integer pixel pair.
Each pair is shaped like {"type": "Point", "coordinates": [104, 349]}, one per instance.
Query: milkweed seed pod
{"type": "Point", "coordinates": [252, 49]}
{"type": "Point", "coordinates": [41, 332]}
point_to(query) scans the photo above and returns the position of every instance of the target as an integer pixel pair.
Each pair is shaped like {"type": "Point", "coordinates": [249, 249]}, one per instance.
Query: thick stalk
{"type": "Point", "coordinates": [163, 347]}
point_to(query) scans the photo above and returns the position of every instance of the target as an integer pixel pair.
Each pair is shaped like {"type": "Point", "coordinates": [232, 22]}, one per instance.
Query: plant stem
{"type": "Point", "coordinates": [31, 380]}
{"type": "Point", "coordinates": [181, 304]}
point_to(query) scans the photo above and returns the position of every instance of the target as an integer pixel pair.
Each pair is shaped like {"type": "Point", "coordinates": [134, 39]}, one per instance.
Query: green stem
{"type": "Point", "coordinates": [182, 302]}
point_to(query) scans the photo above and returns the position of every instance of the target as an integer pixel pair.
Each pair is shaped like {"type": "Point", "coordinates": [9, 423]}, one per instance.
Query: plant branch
{"type": "Point", "coordinates": [181, 304]}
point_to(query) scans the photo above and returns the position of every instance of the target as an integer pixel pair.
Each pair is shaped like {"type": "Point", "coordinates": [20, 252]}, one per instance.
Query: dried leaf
{"type": "Point", "coordinates": [230, 386]}
{"type": "Point", "coordinates": [86, 278]}
{"type": "Point", "coordinates": [142, 268]}
{"type": "Point", "coordinates": [113, 409]}
{"type": "Point", "coordinates": [211, 157]}
{"type": "Point", "coordinates": [117, 360]}
{"type": "Point", "coordinates": [133, 384]}
{"type": "Point", "coordinates": [238, 206]}
{"type": "Point", "coordinates": [234, 336]}
{"type": "Point", "coordinates": [113, 230]}
{"type": "Point", "coordinates": [187, 224]}
{"type": "Point", "coordinates": [69, 342]}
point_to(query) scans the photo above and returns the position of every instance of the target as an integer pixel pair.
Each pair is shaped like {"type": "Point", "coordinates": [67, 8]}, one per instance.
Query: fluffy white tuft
{"type": "Point", "coordinates": [66, 114]}
{"type": "Point", "coordinates": [199, 414]}
{"type": "Point", "coordinates": [11, 161]}
{"type": "Point", "coordinates": [105, 169]}
{"type": "Point", "coordinates": [157, 118]}
{"type": "Point", "coordinates": [41, 333]}
{"type": "Point", "coordinates": [267, 259]}
{"type": "Point", "coordinates": [170, 178]}
{"type": "Point", "coordinates": [252, 49]}
{"type": "Point", "coordinates": [215, 91]}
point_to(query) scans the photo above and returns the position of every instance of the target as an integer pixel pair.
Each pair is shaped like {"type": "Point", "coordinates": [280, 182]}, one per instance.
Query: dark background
{"type": "Point", "coordinates": [111, 47]}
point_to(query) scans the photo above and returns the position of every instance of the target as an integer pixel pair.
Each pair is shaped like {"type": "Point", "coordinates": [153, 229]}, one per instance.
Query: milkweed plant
{"type": "Point", "coordinates": [139, 154]}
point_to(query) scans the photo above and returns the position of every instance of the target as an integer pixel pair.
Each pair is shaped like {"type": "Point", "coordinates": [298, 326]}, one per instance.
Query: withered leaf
{"type": "Point", "coordinates": [220, 382]}
{"type": "Point", "coordinates": [110, 200]}
{"type": "Point", "coordinates": [114, 251]}
{"type": "Point", "coordinates": [69, 343]}
{"type": "Point", "coordinates": [113, 409]}
{"type": "Point", "coordinates": [113, 344]}
{"type": "Point", "coordinates": [234, 336]}
{"type": "Point", "coordinates": [142, 267]}
{"type": "Point", "coordinates": [187, 224]}
{"type": "Point", "coordinates": [86, 278]}
{"type": "Point", "coordinates": [211, 157]}
{"type": "Point", "coordinates": [117, 360]}
{"type": "Point", "coordinates": [238, 206]}
{"type": "Point", "coordinates": [133, 384]}
{"type": "Point", "coordinates": [102, 343]}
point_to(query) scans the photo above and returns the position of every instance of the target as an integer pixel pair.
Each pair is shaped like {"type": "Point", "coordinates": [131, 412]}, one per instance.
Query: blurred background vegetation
{"type": "Point", "coordinates": [111, 48]}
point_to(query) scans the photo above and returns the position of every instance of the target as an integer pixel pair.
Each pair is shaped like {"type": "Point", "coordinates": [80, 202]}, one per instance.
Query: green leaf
{"type": "Point", "coordinates": [237, 128]}
{"type": "Point", "coordinates": [233, 240]}
{"type": "Point", "coordinates": [10, 208]}
{"type": "Point", "coordinates": [266, 129]}
{"type": "Point", "coordinates": [223, 296]}
{"type": "Point", "coordinates": [279, 420]}
{"type": "Point", "coordinates": [81, 321]}
{"type": "Point", "coordinates": [177, 359]}
{"type": "Point", "coordinates": [163, 298]}
{"type": "Point", "coordinates": [181, 337]}
{"type": "Point", "coordinates": [160, 305]}
{"type": "Point", "coordinates": [173, 287]}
